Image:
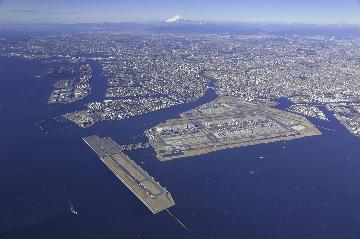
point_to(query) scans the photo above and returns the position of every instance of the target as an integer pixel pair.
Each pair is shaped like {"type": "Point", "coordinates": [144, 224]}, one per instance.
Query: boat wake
{"type": "Point", "coordinates": [72, 209]}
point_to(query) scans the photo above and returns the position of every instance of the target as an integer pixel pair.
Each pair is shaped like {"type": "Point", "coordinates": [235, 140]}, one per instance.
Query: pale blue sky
{"type": "Point", "coordinates": [74, 11]}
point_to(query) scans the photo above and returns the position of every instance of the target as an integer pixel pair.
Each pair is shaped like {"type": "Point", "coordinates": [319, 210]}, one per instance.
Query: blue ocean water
{"type": "Point", "coordinates": [306, 188]}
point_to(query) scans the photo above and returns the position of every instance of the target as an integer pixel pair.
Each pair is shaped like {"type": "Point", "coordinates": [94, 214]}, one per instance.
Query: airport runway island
{"type": "Point", "coordinates": [150, 192]}
{"type": "Point", "coordinates": [226, 123]}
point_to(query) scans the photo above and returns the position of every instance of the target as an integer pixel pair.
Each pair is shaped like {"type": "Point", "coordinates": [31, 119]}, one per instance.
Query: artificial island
{"type": "Point", "coordinates": [152, 70]}
{"type": "Point", "coordinates": [226, 123]}
{"type": "Point", "coordinates": [149, 191]}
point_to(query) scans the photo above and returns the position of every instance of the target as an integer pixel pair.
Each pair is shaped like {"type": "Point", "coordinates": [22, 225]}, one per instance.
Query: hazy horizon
{"type": "Point", "coordinates": [260, 11]}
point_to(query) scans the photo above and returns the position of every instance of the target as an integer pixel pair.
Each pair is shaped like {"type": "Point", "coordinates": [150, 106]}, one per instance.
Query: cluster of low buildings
{"type": "Point", "coordinates": [348, 114]}
{"type": "Point", "coordinates": [117, 110]}
{"type": "Point", "coordinates": [75, 87]}
{"type": "Point", "coordinates": [120, 92]}
{"type": "Point", "coordinates": [308, 110]}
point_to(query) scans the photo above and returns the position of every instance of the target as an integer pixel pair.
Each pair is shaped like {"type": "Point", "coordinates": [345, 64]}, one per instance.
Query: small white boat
{"type": "Point", "coordinates": [72, 209]}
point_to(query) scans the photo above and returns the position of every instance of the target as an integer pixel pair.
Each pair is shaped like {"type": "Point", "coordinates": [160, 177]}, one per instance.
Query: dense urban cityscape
{"type": "Point", "coordinates": [151, 71]}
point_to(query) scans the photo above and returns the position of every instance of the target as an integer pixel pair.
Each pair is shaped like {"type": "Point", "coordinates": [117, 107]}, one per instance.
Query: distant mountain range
{"type": "Point", "coordinates": [179, 24]}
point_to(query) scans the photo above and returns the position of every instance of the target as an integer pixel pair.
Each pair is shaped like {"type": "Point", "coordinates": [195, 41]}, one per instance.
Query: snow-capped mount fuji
{"type": "Point", "coordinates": [176, 19]}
